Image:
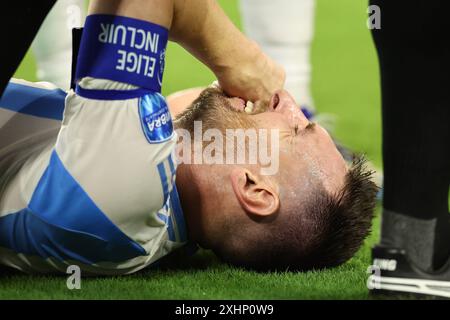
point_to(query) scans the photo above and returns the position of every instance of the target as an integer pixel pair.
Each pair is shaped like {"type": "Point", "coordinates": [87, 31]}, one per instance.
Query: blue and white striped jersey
{"type": "Point", "coordinates": [84, 182]}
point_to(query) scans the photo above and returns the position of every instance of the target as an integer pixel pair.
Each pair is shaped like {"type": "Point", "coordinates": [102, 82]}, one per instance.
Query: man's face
{"type": "Point", "coordinates": [305, 149]}
{"type": "Point", "coordinates": [246, 217]}
{"type": "Point", "coordinates": [307, 155]}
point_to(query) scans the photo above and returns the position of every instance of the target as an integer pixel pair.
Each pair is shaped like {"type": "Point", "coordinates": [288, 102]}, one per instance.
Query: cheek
{"type": "Point", "coordinates": [328, 149]}
{"type": "Point", "coordinates": [331, 163]}
{"type": "Point", "coordinates": [271, 120]}
{"type": "Point", "coordinates": [295, 175]}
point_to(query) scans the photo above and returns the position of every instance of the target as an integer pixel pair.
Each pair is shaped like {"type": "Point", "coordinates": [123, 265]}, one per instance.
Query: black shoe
{"type": "Point", "coordinates": [393, 272]}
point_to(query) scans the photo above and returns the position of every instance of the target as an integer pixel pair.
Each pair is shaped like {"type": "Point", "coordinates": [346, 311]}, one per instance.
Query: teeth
{"type": "Point", "coordinates": [249, 107]}
{"type": "Point", "coordinates": [215, 84]}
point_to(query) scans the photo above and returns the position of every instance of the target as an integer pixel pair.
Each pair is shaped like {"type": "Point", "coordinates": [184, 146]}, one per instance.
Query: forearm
{"type": "Point", "coordinates": [200, 26]}
{"type": "Point", "coordinates": [156, 11]}
{"type": "Point", "coordinates": [203, 28]}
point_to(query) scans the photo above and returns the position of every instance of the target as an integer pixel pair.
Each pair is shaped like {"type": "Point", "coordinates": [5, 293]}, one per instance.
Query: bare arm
{"type": "Point", "coordinates": [242, 69]}
{"type": "Point", "coordinates": [156, 11]}
{"type": "Point", "coordinates": [202, 27]}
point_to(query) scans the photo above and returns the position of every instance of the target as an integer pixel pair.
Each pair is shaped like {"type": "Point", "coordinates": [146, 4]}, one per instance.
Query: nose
{"type": "Point", "coordinates": [282, 102]}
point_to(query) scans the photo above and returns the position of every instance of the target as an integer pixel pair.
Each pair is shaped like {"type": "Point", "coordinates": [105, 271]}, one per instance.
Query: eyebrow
{"type": "Point", "coordinates": [310, 127]}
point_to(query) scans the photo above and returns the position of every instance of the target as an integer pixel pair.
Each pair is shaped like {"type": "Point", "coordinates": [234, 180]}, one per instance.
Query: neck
{"type": "Point", "coordinates": [190, 199]}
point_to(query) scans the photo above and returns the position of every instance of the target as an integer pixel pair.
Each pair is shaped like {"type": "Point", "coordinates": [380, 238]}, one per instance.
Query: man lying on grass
{"type": "Point", "coordinates": [290, 202]}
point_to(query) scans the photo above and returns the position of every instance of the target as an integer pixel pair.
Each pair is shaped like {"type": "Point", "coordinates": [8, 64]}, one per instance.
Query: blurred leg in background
{"type": "Point", "coordinates": [414, 56]}
{"type": "Point", "coordinates": [284, 30]}
{"type": "Point", "coordinates": [20, 21]}
{"type": "Point", "coordinates": [52, 46]}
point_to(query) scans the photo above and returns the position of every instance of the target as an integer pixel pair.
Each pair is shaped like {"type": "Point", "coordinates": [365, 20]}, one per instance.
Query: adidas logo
{"type": "Point", "coordinates": [386, 264]}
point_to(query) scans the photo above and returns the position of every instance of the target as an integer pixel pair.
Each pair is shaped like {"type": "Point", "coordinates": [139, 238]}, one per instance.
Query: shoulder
{"type": "Point", "coordinates": [41, 99]}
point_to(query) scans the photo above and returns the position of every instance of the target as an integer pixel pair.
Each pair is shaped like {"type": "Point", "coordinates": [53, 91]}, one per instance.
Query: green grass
{"type": "Point", "coordinates": [345, 83]}
{"type": "Point", "coordinates": [202, 277]}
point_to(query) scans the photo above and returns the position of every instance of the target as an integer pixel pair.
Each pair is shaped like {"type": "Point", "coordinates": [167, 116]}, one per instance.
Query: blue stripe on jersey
{"type": "Point", "coordinates": [163, 217]}
{"type": "Point", "coordinates": [164, 182]}
{"type": "Point", "coordinates": [61, 221]}
{"type": "Point", "coordinates": [171, 230]}
{"type": "Point", "coordinates": [173, 170]}
{"type": "Point", "coordinates": [168, 221]}
{"type": "Point", "coordinates": [178, 212]}
{"type": "Point", "coordinates": [37, 102]}
{"type": "Point", "coordinates": [176, 205]}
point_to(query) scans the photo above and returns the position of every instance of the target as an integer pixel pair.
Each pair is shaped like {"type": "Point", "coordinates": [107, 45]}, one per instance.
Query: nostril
{"type": "Point", "coordinates": [275, 101]}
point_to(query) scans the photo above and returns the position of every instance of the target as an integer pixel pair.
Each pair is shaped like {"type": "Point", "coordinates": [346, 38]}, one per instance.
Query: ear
{"type": "Point", "coordinates": [255, 195]}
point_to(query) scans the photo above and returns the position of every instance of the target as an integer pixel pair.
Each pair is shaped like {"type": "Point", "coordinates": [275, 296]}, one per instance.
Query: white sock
{"type": "Point", "coordinates": [284, 30]}
{"type": "Point", "coordinates": [52, 46]}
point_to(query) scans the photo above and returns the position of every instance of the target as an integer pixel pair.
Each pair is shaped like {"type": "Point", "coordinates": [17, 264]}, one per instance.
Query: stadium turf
{"type": "Point", "coordinates": [345, 83]}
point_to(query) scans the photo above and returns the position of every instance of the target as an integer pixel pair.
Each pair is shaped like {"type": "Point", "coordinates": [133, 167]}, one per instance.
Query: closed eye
{"type": "Point", "coordinates": [310, 127]}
